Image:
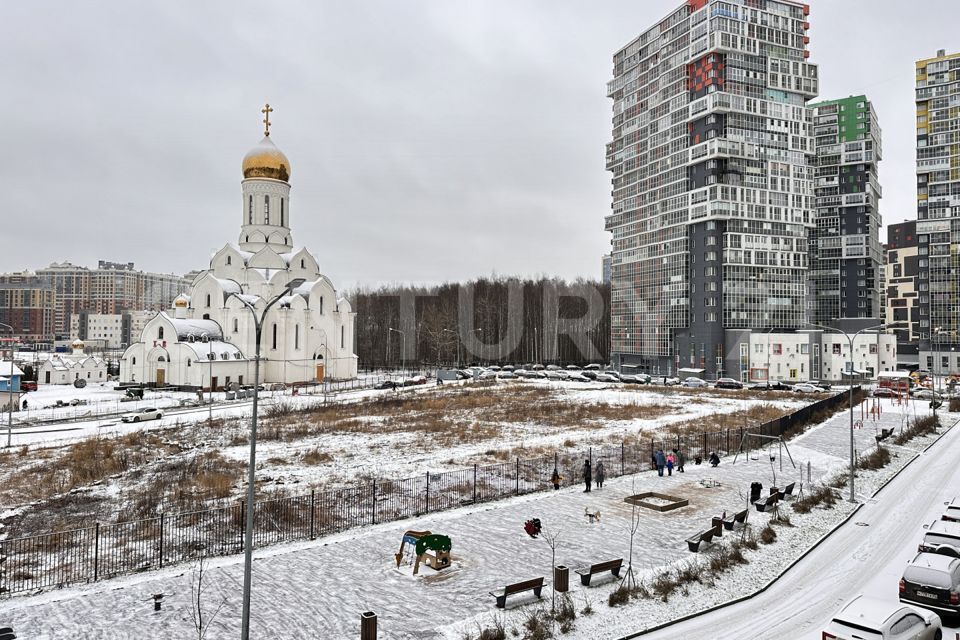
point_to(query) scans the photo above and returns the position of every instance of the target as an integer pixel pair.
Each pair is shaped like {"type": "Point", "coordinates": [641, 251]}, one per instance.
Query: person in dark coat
{"type": "Point", "coordinates": [678, 454]}
{"type": "Point", "coordinates": [598, 474]}
{"type": "Point", "coordinates": [661, 461]}
{"type": "Point", "coordinates": [587, 475]}
{"type": "Point", "coordinates": [714, 458]}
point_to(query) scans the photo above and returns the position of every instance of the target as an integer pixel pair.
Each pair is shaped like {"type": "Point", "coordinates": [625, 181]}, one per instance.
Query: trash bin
{"type": "Point", "coordinates": [230, 395]}
{"type": "Point", "coordinates": [561, 578]}
{"type": "Point", "coordinates": [756, 488]}
{"type": "Point", "coordinates": [368, 625]}
{"type": "Point", "coordinates": [717, 526]}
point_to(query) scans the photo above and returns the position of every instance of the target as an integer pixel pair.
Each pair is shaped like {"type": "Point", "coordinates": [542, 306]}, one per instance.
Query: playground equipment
{"type": "Point", "coordinates": [434, 549]}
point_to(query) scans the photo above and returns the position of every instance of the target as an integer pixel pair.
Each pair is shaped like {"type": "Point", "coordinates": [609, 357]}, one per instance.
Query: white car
{"type": "Point", "coordinates": [804, 387]}
{"type": "Point", "coordinates": [606, 377]}
{"type": "Point", "coordinates": [576, 376]}
{"type": "Point", "coordinates": [952, 512]}
{"type": "Point", "coordinates": [695, 383]}
{"type": "Point", "coordinates": [874, 618]}
{"type": "Point", "coordinates": [927, 394]}
{"type": "Point", "coordinates": [149, 413]}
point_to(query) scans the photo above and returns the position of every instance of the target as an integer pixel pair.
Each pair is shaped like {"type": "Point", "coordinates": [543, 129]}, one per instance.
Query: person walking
{"type": "Point", "coordinates": [670, 461]}
{"type": "Point", "coordinates": [661, 461]}
{"type": "Point", "coordinates": [555, 479]}
{"type": "Point", "coordinates": [587, 475]}
{"type": "Point", "coordinates": [598, 474]}
{"type": "Point", "coordinates": [680, 459]}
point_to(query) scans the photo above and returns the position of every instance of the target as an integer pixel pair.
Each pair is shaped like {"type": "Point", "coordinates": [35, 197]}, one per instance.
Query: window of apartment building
{"type": "Point", "coordinates": [836, 348]}
{"type": "Point", "coordinates": [804, 349]}
{"type": "Point", "coordinates": [777, 348]}
{"type": "Point", "coordinates": [873, 348]}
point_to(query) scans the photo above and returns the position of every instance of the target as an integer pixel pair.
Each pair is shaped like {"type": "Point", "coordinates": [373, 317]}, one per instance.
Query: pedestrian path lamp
{"type": "Point", "coordinates": [248, 528]}
{"type": "Point", "coordinates": [851, 339]}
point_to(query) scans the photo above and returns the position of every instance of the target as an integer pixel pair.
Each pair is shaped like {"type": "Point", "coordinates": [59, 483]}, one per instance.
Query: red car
{"type": "Point", "coordinates": [28, 385]}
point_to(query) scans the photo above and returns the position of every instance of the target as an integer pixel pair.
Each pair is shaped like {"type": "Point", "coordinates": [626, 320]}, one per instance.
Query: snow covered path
{"type": "Point", "coordinates": [855, 559]}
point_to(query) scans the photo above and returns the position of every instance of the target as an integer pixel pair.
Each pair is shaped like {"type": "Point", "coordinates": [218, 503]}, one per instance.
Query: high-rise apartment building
{"type": "Point", "coordinates": [845, 254]}
{"type": "Point", "coordinates": [712, 163]}
{"type": "Point", "coordinates": [109, 289]}
{"type": "Point", "coordinates": [938, 210]}
{"type": "Point", "coordinates": [903, 299]}
{"type": "Point", "coordinates": [27, 304]}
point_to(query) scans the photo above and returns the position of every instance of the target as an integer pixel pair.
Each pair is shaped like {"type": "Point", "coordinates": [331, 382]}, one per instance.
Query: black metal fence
{"type": "Point", "coordinates": [110, 549]}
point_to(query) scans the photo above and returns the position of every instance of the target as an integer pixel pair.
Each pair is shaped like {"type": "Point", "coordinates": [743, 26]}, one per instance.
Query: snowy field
{"type": "Point", "coordinates": [318, 589]}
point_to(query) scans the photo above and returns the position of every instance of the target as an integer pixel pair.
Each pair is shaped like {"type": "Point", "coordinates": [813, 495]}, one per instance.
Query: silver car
{"type": "Point", "coordinates": [695, 383]}
{"type": "Point", "coordinates": [868, 617]}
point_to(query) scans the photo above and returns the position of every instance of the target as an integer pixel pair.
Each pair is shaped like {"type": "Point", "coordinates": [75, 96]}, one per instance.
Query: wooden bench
{"type": "Point", "coordinates": [740, 516]}
{"type": "Point", "coordinates": [884, 434]}
{"type": "Point", "coordinates": [788, 490]}
{"type": "Point", "coordinates": [613, 566]}
{"type": "Point", "coordinates": [535, 585]}
{"type": "Point", "coordinates": [764, 505]}
{"type": "Point", "coordinates": [693, 542]}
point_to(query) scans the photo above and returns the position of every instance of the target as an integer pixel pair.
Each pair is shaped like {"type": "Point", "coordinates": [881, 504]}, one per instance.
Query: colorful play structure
{"type": "Point", "coordinates": [434, 549]}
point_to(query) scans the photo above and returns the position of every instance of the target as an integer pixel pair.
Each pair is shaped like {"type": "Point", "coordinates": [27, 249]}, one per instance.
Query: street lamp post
{"type": "Point", "coordinates": [403, 348]}
{"type": "Point", "coordinates": [248, 528]}
{"type": "Point", "coordinates": [206, 337]}
{"type": "Point", "coordinates": [851, 340]}
{"type": "Point", "coordinates": [9, 390]}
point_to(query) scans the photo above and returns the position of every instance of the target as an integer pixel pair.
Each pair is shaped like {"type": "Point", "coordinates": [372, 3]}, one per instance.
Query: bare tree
{"type": "Point", "coordinates": [552, 538]}
{"type": "Point", "coordinates": [629, 580]}
{"type": "Point", "coordinates": [197, 590]}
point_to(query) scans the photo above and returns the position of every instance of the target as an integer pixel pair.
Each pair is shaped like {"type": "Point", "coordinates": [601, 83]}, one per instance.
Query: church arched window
{"type": "Point", "coordinates": [296, 337]}
{"type": "Point", "coordinates": [250, 211]}
{"type": "Point", "coordinates": [266, 209]}
{"type": "Point", "coordinates": [303, 263]}
{"type": "Point", "coordinates": [235, 325]}
{"type": "Point", "coordinates": [160, 333]}
{"type": "Point", "coordinates": [229, 259]}
{"type": "Point", "coordinates": [321, 305]}
{"type": "Point", "coordinates": [281, 212]}
{"type": "Point", "coordinates": [208, 299]}
{"type": "Point", "coordinates": [133, 360]}
{"type": "Point", "coordinates": [341, 335]}
{"type": "Point", "coordinates": [274, 342]}
{"type": "Point", "coordinates": [189, 362]}
{"type": "Point", "coordinates": [247, 239]}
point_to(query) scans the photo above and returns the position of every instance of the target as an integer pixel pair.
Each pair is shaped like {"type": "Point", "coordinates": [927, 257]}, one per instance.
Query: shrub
{"type": "Point", "coordinates": [664, 585]}
{"type": "Point", "coordinates": [917, 427]}
{"type": "Point", "coordinates": [825, 496]}
{"type": "Point", "coordinates": [768, 535]}
{"type": "Point", "coordinates": [690, 572]}
{"type": "Point", "coordinates": [618, 597]}
{"type": "Point", "coordinates": [537, 625]}
{"type": "Point", "coordinates": [954, 405]}
{"type": "Point", "coordinates": [876, 459]}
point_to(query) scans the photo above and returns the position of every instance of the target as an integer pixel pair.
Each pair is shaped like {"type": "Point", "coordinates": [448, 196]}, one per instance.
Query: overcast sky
{"type": "Point", "coordinates": [429, 141]}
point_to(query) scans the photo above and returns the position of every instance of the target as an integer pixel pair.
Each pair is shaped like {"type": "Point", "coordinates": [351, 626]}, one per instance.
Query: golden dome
{"type": "Point", "coordinates": [266, 161]}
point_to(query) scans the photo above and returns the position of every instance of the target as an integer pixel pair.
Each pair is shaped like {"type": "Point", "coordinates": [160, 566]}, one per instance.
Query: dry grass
{"type": "Point", "coordinates": [876, 459]}
{"type": "Point", "coordinates": [918, 427]}
{"type": "Point", "coordinates": [316, 456]}
{"type": "Point", "coordinates": [825, 496]}
{"type": "Point", "coordinates": [749, 417]}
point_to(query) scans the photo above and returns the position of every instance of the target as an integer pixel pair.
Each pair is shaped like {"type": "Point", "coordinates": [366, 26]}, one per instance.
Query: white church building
{"type": "Point", "coordinates": [208, 340]}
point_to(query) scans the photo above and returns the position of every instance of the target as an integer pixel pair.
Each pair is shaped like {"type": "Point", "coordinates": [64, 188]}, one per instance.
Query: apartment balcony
{"type": "Point", "coordinates": [933, 164]}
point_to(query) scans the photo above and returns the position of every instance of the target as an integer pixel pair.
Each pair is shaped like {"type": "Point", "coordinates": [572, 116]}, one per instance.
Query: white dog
{"type": "Point", "coordinates": [593, 517]}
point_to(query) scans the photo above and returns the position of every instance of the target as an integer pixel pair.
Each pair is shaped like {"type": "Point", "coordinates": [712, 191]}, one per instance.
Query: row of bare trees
{"type": "Point", "coordinates": [489, 320]}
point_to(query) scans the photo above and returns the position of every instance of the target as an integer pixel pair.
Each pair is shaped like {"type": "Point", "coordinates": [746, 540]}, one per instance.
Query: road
{"type": "Point", "coordinates": [855, 559]}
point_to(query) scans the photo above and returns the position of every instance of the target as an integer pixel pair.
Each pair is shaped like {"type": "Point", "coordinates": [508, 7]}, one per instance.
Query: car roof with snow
{"type": "Point", "coordinates": [867, 609]}
{"type": "Point", "coordinates": [945, 528]}
{"type": "Point", "coordinates": [937, 561]}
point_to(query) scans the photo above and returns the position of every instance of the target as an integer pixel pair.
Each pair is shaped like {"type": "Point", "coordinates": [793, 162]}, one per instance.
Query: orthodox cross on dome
{"type": "Point", "coordinates": [267, 109]}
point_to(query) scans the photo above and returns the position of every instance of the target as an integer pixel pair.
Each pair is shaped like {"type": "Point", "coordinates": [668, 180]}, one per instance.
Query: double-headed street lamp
{"type": "Point", "coordinates": [851, 340]}
{"type": "Point", "coordinates": [248, 529]}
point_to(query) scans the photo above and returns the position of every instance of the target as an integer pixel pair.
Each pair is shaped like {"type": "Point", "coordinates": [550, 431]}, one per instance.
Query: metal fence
{"type": "Point", "coordinates": [110, 549]}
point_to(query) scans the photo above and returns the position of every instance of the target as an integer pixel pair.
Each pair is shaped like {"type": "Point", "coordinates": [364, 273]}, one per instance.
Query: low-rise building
{"type": "Point", "coordinates": [63, 368]}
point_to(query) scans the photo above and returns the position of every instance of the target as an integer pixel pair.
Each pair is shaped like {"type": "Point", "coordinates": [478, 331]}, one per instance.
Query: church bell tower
{"type": "Point", "coordinates": [266, 195]}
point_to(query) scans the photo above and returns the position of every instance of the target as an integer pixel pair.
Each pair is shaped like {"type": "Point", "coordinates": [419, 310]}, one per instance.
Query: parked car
{"type": "Point", "coordinates": [669, 381]}
{"type": "Point", "coordinates": [487, 375]}
{"type": "Point", "coordinates": [884, 392]}
{"type": "Point", "coordinates": [606, 377]}
{"type": "Point", "coordinates": [573, 367]}
{"type": "Point", "coordinates": [147, 413]}
{"type": "Point", "coordinates": [387, 384]}
{"type": "Point", "coordinates": [952, 512]}
{"type": "Point", "coordinates": [28, 385]}
{"type": "Point", "coordinates": [628, 378]}
{"type": "Point", "coordinates": [728, 383]}
{"type": "Point", "coordinates": [941, 536]}
{"type": "Point", "coordinates": [506, 375]}
{"type": "Point", "coordinates": [592, 367]}
{"type": "Point", "coordinates": [932, 581]}
{"type": "Point", "coordinates": [553, 375]}
{"type": "Point", "coordinates": [868, 617]}
{"type": "Point", "coordinates": [927, 394]}
{"type": "Point", "coordinates": [577, 376]}
{"type": "Point", "coordinates": [772, 386]}
{"type": "Point", "coordinates": [695, 383]}
{"type": "Point", "coordinates": [806, 387]}
{"type": "Point", "coordinates": [590, 373]}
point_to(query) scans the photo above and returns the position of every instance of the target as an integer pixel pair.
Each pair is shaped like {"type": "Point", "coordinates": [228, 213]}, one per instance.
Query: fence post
{"type": "Point", "coordinates": [518, 476]}
{"type": "Point", "coordinates": [313, 494]}
{"type": "Point", "coordinates": [428, 492]}
{"type": "Point", "coordinates": [96, 554]}
{"type": "Point", "coordinates": [678, 442]}
{"type": "Point", "coordinates": [622, 455]}
{"type": "Point", "coordinates": [161, 540]}
{"type": "Point", "coordinates": [474, 484]}
{"type": "Point", "coordinates": [590, 455]}
{"type": "Point", "coordinates": [243, 519]}
{"type": "Point", "coordinates": [374, 506]}
{"type": "Point", "coordinates": [704, 448]}
{"type": "Point", "coordinates": [727, 445]}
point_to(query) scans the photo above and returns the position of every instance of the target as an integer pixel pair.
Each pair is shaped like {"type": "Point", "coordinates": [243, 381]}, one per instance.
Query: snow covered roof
{"type": "Point", "coordinates": [228, 286]}
{"type": "Point", "coordinates": [869, 610]}
{"type": "Point", "coordinates": [5, 367]}
{"type": "Point", "coordinates": [218, 348]}
{"type": "Point", "coordinates": [186, 327]}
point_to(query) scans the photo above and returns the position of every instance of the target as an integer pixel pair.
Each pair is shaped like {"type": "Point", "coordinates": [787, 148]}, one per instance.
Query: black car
{"type": "Point", "coordinates": [728, 383]}
{"type": "Point", "coordinates": [386, 384]}
{"type": "Point", "coordinates": [771, 386]}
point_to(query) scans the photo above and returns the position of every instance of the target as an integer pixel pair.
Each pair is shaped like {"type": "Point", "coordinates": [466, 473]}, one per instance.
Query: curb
{"type": "Point", "coordinates": [792, 564]}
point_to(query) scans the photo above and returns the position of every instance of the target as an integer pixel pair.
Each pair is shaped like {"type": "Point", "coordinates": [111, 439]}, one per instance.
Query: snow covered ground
{"type": "Point", "coordinates": [318, 589]}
